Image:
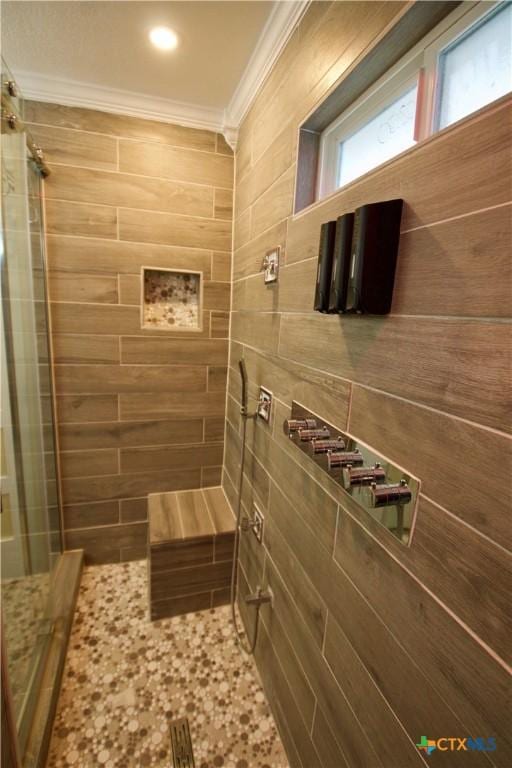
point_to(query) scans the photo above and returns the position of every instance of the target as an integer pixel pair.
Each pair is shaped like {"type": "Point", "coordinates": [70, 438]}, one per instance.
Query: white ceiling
{"type": "Point", "coordinates": [105, 46]}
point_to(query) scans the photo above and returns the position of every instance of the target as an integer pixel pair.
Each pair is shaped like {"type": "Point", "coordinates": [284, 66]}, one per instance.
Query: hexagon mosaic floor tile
{"type": "Point", "coordinates": [126, 678]}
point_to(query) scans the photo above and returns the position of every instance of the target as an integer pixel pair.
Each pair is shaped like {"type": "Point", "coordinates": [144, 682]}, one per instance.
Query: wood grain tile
{"type": "Point", "coordinates": [71, 147]}
{"type": "Point", "coordinates": [100, 544]}
{"type": "Point", "coordinates": [186, 581]}
{"type": "Point", "coordinates": [65, 286]}
{"type": "Point", "coordinates": [162, 609]}
{"type": "Point", "coordinates": [425, 442]}
{"type": "Point", "coordinates": [223, 204]}
{"type": "Point", "coordinates": [217, 376]}
{"type": "Point", "coordinates": [89, 463]}
{"type": "Point", "coordinates": [481, 704]}
{"type": "Point", "coordinates": [63, 218]}
{"type": "Point", "coordinates": [130, 433]}
{"type": "Point", "coordinates": [149, 159]}
{"type": "Point", "coordinates": [81, 348]}
{"type": "Point", "coordinates": [217, 295]}
{"type": "Point", "coordinates": [179, 553]}
{"type": "Point", "coordinates": [85, 185]}
{"type": "Point", "coordinates": [168, 229]}
{"type": "Point", "coordinates": [127, 379]}
{"type": "Point", "coordinates": [275, 204]}
{"type": "Point", "coordinates": [214, 429]}
{"type": "Point", "coordinates": [80, 408]}
{"type": "Point", "coordinates": [221, 266]}
{"type": "Point", "coordinates": [91, 515]}
{"type": "Point", "coordinates": [168, 405]}
{"type": "Point", "coordinates": [447, 365]}
{"type": "Point", "coordinates": [195, 519]}
{"type": "Point", "coordinates": [134, 510]}
{"type": "Point", "coordinates": [219, 325]}
{"type": "Point", "coordinates": [119, 125]}
{"type": "Point", "coordinates": [171, 458]}
{"type": "Point", "coordinates": [211, 476]}
{"type": "Point", "coordinates": [164, 518]}
{"type": "Point", "coordinates": [73, 254]}
{"type": "Point", "coordinates": [219, 509]}
{"type": "Point", "coordinates": [130, 289]}
{"type": "Point", "coordinates": [81, 490]}
{"type": "Point", "coordinates": [166, 351]}
{"type": "Point", "coordinates": [266, 170]}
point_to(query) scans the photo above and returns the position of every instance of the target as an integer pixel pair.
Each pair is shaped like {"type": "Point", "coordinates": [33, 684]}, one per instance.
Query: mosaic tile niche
{"type": "Point", "coordinates": [171, 299]}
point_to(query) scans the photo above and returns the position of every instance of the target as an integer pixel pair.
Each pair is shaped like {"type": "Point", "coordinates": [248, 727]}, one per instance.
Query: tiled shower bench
{"type": "Point", "coordinates": [191, 540]}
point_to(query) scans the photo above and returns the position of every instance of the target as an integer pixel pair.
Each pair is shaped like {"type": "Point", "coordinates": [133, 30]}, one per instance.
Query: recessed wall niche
{"type": "Point", "coordinates": [172, 299]}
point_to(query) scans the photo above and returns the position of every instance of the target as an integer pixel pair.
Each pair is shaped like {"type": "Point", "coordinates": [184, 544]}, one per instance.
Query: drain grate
{"type": "Point", "coordinates": [181, 744]}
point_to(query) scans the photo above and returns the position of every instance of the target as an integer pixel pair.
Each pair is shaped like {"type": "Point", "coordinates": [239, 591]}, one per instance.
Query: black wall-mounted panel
{"type": "Point", "coordinates": [374, 253]}
{"type": "Point", "coordinates": [341, 262]}
{"type": "Point", "coordinates": [323, 274]}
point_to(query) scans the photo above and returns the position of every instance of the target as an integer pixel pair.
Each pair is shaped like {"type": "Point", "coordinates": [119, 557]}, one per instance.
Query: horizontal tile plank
{"type": "Point", "coordinates": [165, 351]}
{"type": "Point", "coordinates": [73, 254]}
{"type": "Point", "coordinates": [104, 379]}
{"type": "Point", "coordinates": [128, 127]}
{"type": "Point", "coordinates": [130, 433]}
{"type": "Point", "coordinates": [84, 185]}
{"type": "Point", "coordinates": [439, 362]}
{"type": "Point", "coordinates": [88, 463]}
{"type": "Point", "coordinates": [81, 490]}
{"type": "Point", "coordinates": [71, 147]}
{"type": "Point", "coordinates": [169, 229]}
{"type": "Point", "coordinates": [150, 159]}
{"type": "Point", "coordinates": [83, 408]}
{"type": "Point", "coordinates": [168, 405]}
{"type": "Point", "coordinates": [78, 286]}
{"type": "Point", "coordinates": [64, 218]}
{"type": "Point", "coordinates": [82, 348]}
{"type": "Point", "coordinates": [91, 515]}
{"type": "Point", "coordinates": [171, 458]}
{"type": "Point", "coordinates": [425, 442]}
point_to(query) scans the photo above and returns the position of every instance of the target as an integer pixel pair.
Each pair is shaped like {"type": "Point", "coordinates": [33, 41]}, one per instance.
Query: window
{"type": "Point", "coordinates": [462, 65]}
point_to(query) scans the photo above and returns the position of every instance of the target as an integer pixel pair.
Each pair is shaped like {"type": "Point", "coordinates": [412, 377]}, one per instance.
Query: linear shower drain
{"type": "Point", "coordinates": [181, 744]}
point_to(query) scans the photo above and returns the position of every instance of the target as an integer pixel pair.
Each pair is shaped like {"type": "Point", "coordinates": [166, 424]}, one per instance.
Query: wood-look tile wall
{"type": "Point", "coordinates": [139, 411]}
{"type": "Point", "coordinates": [369, 644]}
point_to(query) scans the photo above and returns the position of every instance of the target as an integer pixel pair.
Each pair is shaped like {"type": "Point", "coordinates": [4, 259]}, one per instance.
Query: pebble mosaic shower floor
{"type": "Point", "coordinates": [126, 678]}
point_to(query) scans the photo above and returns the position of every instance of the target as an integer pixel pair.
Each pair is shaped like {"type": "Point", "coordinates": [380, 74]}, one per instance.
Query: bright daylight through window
{"type": "Point", "coordinates": [462, 65]}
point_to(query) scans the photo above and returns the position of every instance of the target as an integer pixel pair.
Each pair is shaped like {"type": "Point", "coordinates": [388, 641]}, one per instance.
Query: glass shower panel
{"type": "Point", "coordinates": [30, 518]}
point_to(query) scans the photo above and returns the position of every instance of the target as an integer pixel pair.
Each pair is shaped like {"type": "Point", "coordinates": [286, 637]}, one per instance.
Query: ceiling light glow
{"type": "Point", "coordinates": [163, 38]}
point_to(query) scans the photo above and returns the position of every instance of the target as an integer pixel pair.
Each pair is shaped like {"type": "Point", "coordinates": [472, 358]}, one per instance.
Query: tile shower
{"type": "Point", "coordinates": [378, 630]}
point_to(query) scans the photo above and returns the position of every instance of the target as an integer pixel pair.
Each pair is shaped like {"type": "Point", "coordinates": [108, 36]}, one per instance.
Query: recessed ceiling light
{"type": "Point", "coordinates": [163, 38]}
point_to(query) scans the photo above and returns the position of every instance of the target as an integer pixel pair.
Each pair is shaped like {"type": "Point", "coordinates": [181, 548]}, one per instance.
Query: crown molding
{"type": "Point", "coordinates": [73, 93]}
{"type": "Point", "coordinates": [279, 26]}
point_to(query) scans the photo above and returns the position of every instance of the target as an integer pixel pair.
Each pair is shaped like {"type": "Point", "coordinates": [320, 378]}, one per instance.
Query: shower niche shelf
{"type": "Point", "coordinates": [385, 491]}
{"type": "Point", "coordinates": [172, 300]}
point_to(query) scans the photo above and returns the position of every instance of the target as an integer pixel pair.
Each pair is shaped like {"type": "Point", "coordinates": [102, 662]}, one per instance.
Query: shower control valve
{"type": "Point", "coordinates": [324, 446]}
{"type": "Point", "coordinates": [322, 433]}
{"type": "Point", "coordinates": [294, 425]}
{"type": "Point", "coordinates": [386, 495]}
{"type": "Point", "coordinates": [337, 459]}
{"type": "Point", "coordinates": [353, 476]}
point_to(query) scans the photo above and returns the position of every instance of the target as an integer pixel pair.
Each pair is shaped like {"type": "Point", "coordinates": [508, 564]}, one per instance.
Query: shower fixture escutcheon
{"type": "Point", "coordinates": [384, 490]}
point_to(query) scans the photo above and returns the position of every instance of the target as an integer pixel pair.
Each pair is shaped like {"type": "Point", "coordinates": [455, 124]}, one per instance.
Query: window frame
{"type": "Point", "coordinates": [421, 64]}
